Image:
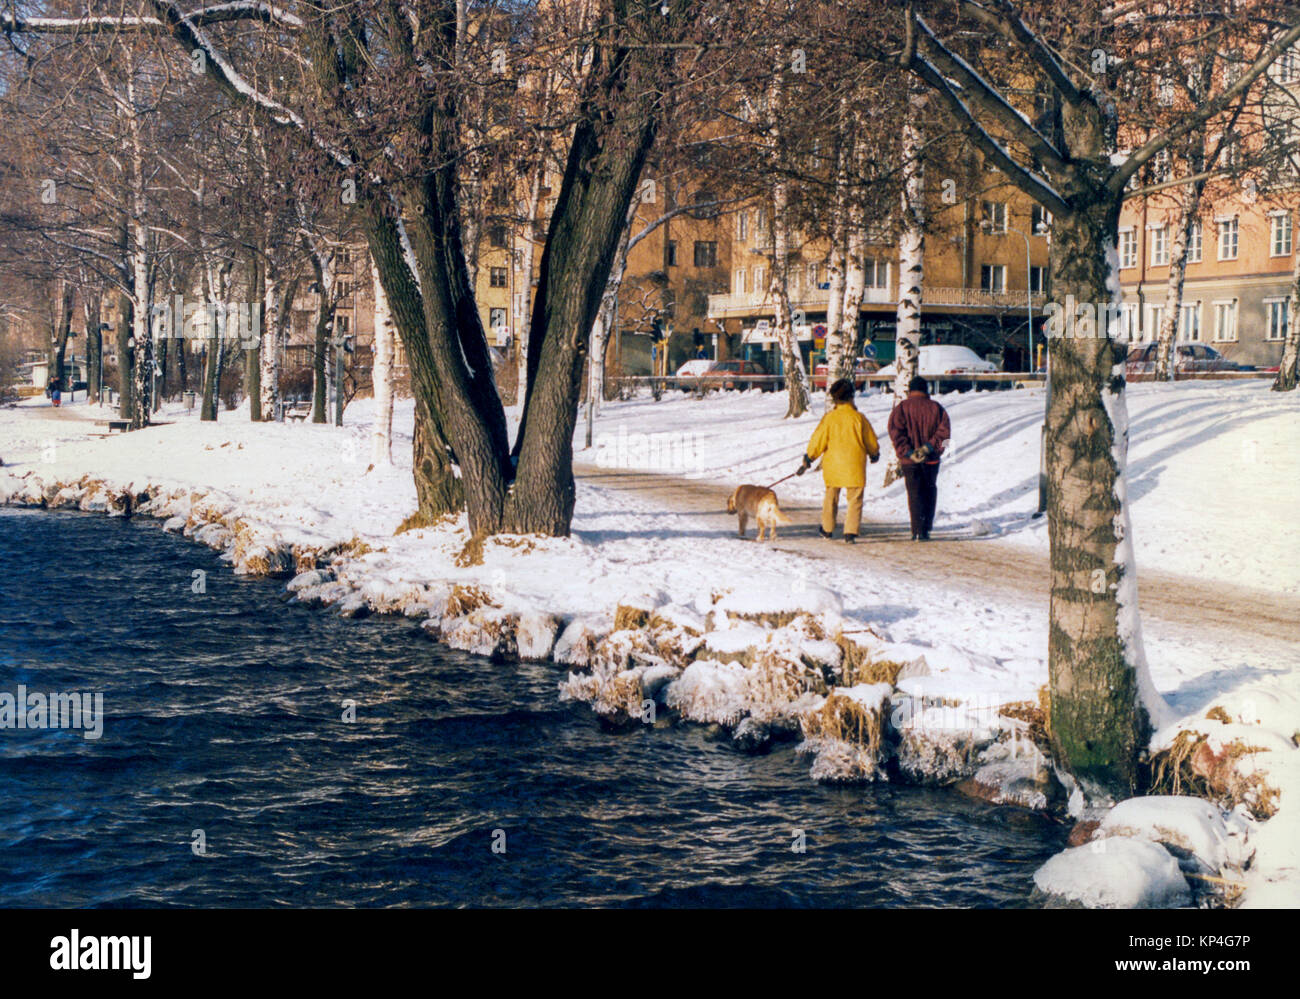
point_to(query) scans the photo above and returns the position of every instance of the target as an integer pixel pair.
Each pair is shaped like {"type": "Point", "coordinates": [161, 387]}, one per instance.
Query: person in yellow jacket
{"type": "Point", "coordinates": [844, 441]}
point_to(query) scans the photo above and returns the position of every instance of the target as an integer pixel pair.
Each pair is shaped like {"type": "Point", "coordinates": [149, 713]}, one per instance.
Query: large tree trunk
{"type": "Point", "coordinates": [796, 380]}
{"type": "Point", "coordinates": [911, 249]}
{"type": "Point", "coordinates": [60, 331]}
{"type": "Point", "coordinates": [1100, 691]}
{"type": "Point", "coordinates": [1288, 372]}
{"type": "Point", "coordinates": [438, 489]}
{"type": "Point", "coordinates": [603, 169]}
{"type": "Point", "coordinates": [141, 333]}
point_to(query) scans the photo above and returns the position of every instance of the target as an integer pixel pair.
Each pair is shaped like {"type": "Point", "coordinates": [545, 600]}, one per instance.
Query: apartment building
{"type": "Point", "coordinates": [1240, 269]}
{"type": "Point", "coordinates": [985, 279]}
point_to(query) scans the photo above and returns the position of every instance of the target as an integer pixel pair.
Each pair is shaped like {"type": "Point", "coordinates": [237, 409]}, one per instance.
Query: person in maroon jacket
{"type": "Point", "coordinates": [919, 428]}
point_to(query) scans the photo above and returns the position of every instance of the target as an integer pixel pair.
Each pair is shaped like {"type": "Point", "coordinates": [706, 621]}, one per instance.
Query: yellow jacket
{"type": "Point", "coordinates": [845, 437]}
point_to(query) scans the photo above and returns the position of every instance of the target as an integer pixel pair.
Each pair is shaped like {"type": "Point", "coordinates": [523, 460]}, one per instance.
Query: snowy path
{"type": "Point", "coordinates": [954, 559]}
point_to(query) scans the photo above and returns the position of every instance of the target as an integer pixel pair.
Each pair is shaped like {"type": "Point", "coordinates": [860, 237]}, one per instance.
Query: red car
{"type": "Point", "coordinates": [861, 368]}
{"type": "Point", "coordinates": [727, 375]}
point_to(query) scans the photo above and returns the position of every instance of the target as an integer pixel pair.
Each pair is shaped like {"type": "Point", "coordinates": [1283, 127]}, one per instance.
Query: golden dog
{"type": "Point", "coordinates": [760, 503]}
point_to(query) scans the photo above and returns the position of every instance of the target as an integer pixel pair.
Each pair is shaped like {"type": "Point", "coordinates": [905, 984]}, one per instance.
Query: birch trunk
{"type": "Point", "coordinates": [796, 379]}
{"type": "Point", "coordinates": [1288, 372]}
{"type": "Point", "coordinates": [836, 350]}
{"type": "Point", "coordinates": [382, 376]}
{"type": "Point", "coordinates": [1167, 335]}
{"type": "Point", "coordinates": [269, 359]}
{"type": "Point", "coordinates": [911, 249]}
{"type": "Point", "coordinates": [523, 302]}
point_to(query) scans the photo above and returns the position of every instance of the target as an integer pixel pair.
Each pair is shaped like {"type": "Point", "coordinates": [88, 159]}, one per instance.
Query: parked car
{"type": "Point", "coordinates": [729, 375]}
{"type": "Point", "coordinates": [688, 375]}
{"type": "Point", "coordinates": [946, 360]}
{"type": "Point", "coordinates": [1189, 358]}
{"type": "Point", "coordinates": [862, 367]}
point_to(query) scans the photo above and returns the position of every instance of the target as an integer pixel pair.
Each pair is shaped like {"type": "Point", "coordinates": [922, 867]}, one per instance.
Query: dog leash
{"type": "Point", "coordinates": [793, 474]}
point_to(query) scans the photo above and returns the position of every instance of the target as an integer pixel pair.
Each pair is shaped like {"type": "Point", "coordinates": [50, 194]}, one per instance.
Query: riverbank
{"type": "Point", "coordinates": [876, 676]}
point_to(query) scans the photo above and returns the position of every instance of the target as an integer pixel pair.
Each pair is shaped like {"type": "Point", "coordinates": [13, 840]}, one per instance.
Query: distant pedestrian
{"type": "Point", "coordinates": [56, 393]}
{"type": "Point", "coordinates": [844, 441]}
{"type": "Point", "coordinates": [920, 430]}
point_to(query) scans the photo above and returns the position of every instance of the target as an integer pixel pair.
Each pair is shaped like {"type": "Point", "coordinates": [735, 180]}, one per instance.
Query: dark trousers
{"type": "Point", "coordinates": [922, 494]}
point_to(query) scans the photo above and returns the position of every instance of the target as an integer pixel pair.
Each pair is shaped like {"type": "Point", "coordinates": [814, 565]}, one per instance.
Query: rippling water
{"type": "Point", "coordinates": [224, 714]}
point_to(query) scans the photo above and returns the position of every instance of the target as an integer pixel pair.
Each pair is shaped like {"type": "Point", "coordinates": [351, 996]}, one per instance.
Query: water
{"type": "Point", "coordinates": [224, 714]}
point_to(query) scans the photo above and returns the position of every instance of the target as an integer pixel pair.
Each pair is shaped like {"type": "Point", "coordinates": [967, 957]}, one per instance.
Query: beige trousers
{"type": "Point", "coordinates": [852, 516]}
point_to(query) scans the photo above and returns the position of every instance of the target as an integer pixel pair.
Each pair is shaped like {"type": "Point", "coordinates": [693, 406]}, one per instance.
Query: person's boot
{"type": "Point", "coordinates": [850, 538]}
{"type": "Point", "coordinates": [824, 533]}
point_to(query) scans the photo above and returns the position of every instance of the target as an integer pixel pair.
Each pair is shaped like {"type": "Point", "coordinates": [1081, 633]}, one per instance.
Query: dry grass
{"type": "Point", "coordinates": [472, 553]}
{"type": "Point", "coordinates": [845, 720]}
{"type": "Point", "coordinates": [1190, 766]}
{"type": "Point", "coordinates": [1032, 715]}
{"type": "Point", "coordinates": [420, 520]}
{"type": "Point", "coordinates": [630, 618]}
{"type": "Point", "coordinates": [464, 599]}
{"type": "Point", "coordinates": [1217, 713]}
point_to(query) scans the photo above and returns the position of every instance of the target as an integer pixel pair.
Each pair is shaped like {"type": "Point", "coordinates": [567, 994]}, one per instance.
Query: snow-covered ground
{"type": "Point", "coordinates": [1215, 484]}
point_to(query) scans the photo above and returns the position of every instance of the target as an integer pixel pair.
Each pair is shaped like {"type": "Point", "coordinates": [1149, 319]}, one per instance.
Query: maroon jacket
{"type": "Point", "coordinates": [918, 420]}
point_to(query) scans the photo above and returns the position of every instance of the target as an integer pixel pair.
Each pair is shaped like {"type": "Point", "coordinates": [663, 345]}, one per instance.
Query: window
{"type": "Point", "coordinates": [995, 214]}
{"type": "Point", "coordinates": [738, 283]}
{"type": "Point", "coordinates": [1155, 319]}
{"type": "Point", "coordinates": [1160, 246]}
{"type": "Point", "coordinates": [345, 258]}
{"type": "Point", "coordinates": [760, 226]}
{"type": "Point", "coordinates": [497, 277]}
{"type": "Point", "coordinates": [1228, 239]}
{"type": "Point", "coordinates": [812, 276]}
{"type": "Point", "coordinates": [876, 272]}
{"type": "Point", "coordinates": [706, 207]}
{"type": "Point", "coordinates": [742, 225]}
{"type": "Point", "coordinates": [1128, 248]}
{"type": "Point", "coordinates": [760, 279]}
{"type": "Point", "coordinates": [1040, 221]}
{"type": "Point", "coordinates": [1225, 320]}
{"type": "Point", "coordinates": [1194, 242]}
{"type": "Point", "coordinates": [341, 324]}
{"type": "Point", "coordinates": [497, 236]}
{"type": "Point", "coordinates": [1286, 69]}
{"type": "Point", "coordinates": [1161, 170]}
{"type": "Point", "coordinates": [1189, 322]}
{"type": "Point", "coordinates": [1278, 310]}
{"type": "Point", "coordinates": [1279, 240]}
{"type": "Point", "coordinates": [993, 278]}
{"type": "Point", "coordinates": [670, 253]}
{"type": "Point", "coordinates": [1128, 322]}
{"type": "Point", "coordinates": [706, 254]}
{"type": "Point", "coordinates": [497, 320]}
{"type": "Point", "coordinates": [1037, 279]}
{"type": "Point", "coordinates": [344, 291]}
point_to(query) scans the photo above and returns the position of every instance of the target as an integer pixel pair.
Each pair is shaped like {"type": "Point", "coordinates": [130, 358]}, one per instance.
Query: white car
{"type": "Point", "coordinates": [947, 359]}
{"type": "Point", "coordinates": [689, 372]}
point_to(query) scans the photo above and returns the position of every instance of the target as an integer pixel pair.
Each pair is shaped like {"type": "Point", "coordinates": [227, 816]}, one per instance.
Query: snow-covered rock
{"type": "Point", "coordinates": [1191, 826]}
{"type": "Point", "coordinates": [1115, 873]}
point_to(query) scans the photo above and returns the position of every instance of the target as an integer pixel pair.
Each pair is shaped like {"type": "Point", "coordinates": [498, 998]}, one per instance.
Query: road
{"type": "Point", "coordinates": [960, 561]}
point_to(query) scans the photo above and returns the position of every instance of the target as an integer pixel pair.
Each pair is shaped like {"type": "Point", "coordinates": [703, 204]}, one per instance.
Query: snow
{"type": "Point", "coordinates": [1115, 873]}
{"type": "Point", "coordinates": [1213, 484]}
